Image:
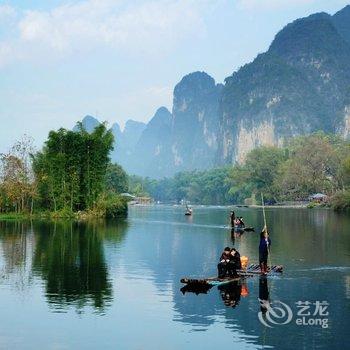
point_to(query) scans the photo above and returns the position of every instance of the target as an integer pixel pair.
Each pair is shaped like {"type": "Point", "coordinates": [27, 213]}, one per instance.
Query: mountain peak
{"type": "Point", "coordinates": [161, 112]}
{"type": "Point", "coordinates": [344, 11]}
{"type": "Point", "coordinates": [116, 129]}
{"type": "Point", "coordinates": [201, 80]}
{"type": "Point", "coordinates": [313, 34]}
{"type": "Point", "coordinates": [89, 119]}
{"type": "Point", "coordinates": [130, 123]}
{"type": "Point", "coordinates": [89, 123]}
{"type": "Point", "coordinates": [341, 21]}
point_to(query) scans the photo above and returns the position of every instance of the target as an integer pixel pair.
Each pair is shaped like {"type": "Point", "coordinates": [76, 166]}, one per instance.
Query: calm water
{"type": "Point", "coordinates": [115, 285]}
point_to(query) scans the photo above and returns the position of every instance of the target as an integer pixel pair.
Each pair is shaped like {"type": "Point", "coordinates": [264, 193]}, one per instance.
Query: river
{"type": "Point", "coordinates": [116, 284]}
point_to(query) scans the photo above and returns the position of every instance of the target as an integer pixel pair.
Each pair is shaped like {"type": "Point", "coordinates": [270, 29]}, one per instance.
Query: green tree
{"type": "Point", "coordinates": [313, 166]}
{"type": "Point", "coordinates": [71, 169]}
{"type": "Point", "coordinates": [257, 174]}
{"type": "Point", "coordinates": [116, 179]}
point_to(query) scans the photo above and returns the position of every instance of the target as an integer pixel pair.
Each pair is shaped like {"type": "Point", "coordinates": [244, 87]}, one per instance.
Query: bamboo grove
{"type": "Point", "coordinates": [68, 174]}
{"type": "Point", "coordinates": [71, 168]}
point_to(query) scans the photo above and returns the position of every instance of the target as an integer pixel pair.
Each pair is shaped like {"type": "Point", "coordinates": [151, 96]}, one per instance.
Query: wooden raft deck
{"type": "Point", "coordinates": [252, 270]}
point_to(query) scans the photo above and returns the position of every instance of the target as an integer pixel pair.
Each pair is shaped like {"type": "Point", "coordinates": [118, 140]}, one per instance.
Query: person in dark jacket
{"type": "Point", "coordinates": [224, 262]}
{"type": "Point", "coordinates": [264, 248]}
{"type": "Point", "coordinates": [235, 263]}
{"type": "Point", "coordinates": [232, 218]}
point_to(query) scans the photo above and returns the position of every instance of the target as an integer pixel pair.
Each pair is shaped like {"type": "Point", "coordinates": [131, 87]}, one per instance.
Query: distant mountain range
{"type": "Point", "coordinates": [300, 85]}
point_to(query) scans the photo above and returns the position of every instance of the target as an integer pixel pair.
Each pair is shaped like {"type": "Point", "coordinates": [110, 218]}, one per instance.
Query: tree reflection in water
{"type": "Point", "coordinates": [16, 240]}
{"type": "Point", "coordinates": [68, 256]}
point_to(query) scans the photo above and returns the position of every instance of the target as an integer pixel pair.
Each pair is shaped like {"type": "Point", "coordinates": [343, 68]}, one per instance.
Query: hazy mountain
{"type": "Point", "coordinates": [125, 142]}
{"type": "Point", "coordinates": [151, 154]}
{"type": "Point", "coordinates": [300, 85]}
{"type": "Point", "coordinates": [132, 133]}
{"type": "Point", "coordinates": [89, 123]}
{"type": "Point", "coordinates": [341, 21]}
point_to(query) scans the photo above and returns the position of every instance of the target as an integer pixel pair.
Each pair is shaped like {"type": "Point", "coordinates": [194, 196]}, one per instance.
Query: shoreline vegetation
{"type": "Point", "coordinates": [72, 178]}
{"type": "Point", "coordinates": [306, 165]}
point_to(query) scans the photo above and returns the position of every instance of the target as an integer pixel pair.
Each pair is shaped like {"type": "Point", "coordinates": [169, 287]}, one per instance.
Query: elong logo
{"type": "Point", "coordinates": [279, 313]}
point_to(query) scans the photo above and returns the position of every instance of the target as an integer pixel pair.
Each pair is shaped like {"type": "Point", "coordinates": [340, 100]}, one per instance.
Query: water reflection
{"type": "Point", "coordinates": [68, 256]}
{"type": "Point", "coordinates": [15, 244]}
{"type": "Point", "coordinates": [231, 293]}
{"type": "Point", "coordinates": [196, 288]}
{"type": "Point", "coordinates": [263, 294]}
{"type": "Point", "coordinates": [97, 267]}
{"type": "Point", "coordinates": [16, 253]}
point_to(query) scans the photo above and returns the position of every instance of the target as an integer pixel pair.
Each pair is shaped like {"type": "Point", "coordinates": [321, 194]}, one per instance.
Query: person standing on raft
{"type": "Point", "coordinates": [232, 218]}
{"type": "Point", "coordinates": [264, 247]}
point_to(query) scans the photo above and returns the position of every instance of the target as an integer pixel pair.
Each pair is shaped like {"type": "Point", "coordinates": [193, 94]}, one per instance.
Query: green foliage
{"type": "Point", "coordinates": [110, 206]}
{"type": "Point", "coordinates": [307, 165]}
{"type": "Point", "coordinates": [341, 200]}
{"type": "Point", "coordinates": [314, 165]}
{"type": "Point", "coordinates": [137, 185]}
{"type": "Point", "coordinates": [205, 187]}
{"type": "Point", "coordinates": [71, 169]}
{"type": "Point", "coordinates": [258, 173]}
{"type": "Point", "coordinates": [116, 179]}
{"type": "Point", "coordinates": [345, 171]}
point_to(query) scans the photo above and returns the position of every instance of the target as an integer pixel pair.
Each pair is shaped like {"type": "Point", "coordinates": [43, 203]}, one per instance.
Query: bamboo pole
{"type": "Point", "coordinates": [265, 228]}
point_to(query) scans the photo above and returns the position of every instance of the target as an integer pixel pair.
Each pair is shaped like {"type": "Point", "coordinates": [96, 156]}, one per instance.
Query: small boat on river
{"type": "Point", "coordinates": [188, 211]}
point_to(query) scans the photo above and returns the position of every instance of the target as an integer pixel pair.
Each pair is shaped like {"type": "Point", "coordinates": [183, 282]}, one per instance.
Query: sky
{"type": "Point", "coordinates": [120, 59]}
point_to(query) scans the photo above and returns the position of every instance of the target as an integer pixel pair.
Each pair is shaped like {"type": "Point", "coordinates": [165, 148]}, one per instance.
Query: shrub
{"type": "Point", "coordinates": [110, 206]}
{"type": "Point", "coordinates": [341, 200]}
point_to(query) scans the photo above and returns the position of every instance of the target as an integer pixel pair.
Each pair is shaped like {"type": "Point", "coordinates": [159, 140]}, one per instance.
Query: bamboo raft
{"type": "Point", "coordinates": [251, 271]}
{"type": "Point", "coordinates": [243, 228]}
{"type": "Point", "coordinates": [255, 269]}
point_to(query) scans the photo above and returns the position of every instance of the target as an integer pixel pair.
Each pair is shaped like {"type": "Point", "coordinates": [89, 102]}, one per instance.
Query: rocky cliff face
{"type": "Point", "coordinates": [186, 139]}
{"type": "Point", "coordinates": [194, 139]}
{"type": "Point", "coordinates": [300, 85]}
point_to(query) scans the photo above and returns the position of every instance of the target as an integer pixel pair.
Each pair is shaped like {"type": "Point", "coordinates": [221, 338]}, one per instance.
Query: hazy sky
{"type": "Point", "coordinates": [120, 59]}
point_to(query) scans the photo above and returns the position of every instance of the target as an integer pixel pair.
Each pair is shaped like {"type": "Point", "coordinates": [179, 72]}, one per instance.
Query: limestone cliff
{"type": "Point", "coordinates": [300, 85]}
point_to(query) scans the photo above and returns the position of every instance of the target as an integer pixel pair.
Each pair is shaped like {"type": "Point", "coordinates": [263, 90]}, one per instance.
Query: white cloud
{"type": "Point", "coordinates": [6, 12]}
{"type": "Point", "coordinates": [270, 4]}
{"type": "Point", "coordinates": [150, 27]}
{"type": "Point", "coordinates": [6, 53]}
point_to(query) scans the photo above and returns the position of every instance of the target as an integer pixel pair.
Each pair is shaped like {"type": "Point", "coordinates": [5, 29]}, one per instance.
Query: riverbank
{"type": "Point", "coordinates": [282, 206]}
{"type": "Point", "coordinates": [116, 209]}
